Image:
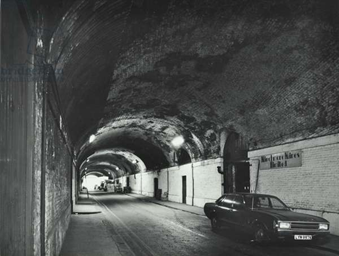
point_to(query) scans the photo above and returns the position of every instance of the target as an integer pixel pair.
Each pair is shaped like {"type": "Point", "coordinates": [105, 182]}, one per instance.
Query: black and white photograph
{"type": "Point", "coordinates": [169, 128]}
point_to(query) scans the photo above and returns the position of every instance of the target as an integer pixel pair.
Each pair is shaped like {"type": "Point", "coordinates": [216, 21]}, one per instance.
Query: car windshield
{"type": "Point", "coordinates": [264, 202]}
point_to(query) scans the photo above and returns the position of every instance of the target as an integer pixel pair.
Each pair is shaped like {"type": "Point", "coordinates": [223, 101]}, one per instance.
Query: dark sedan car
{"type": "Point", "coordinates": [266, 217]}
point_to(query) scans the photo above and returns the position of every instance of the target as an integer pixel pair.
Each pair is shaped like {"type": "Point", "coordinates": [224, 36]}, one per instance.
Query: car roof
{"type": "Point", "coordinates": [250, 194]}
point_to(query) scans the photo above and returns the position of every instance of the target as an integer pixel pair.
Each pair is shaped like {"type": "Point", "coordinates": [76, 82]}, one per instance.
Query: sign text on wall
{"type": "Point", "coordinates": [281, 160]}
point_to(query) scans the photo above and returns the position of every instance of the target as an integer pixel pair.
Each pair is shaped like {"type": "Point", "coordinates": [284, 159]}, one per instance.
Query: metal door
{"type": "Point", "coordinates": [156, 186]}
{"type": "Point", "coordinates": [184, 189]}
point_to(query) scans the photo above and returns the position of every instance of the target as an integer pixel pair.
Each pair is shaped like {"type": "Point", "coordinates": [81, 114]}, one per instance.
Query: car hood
{"type": "Point", "coordinates": [287, 215]}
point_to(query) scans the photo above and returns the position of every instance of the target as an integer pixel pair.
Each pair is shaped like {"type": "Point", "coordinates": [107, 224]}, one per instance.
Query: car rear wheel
{"type": "Point", "coordinates": [215, 224]}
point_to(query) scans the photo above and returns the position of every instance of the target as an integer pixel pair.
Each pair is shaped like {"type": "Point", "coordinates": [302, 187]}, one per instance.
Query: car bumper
{"type": "Point", "coordinates": [290, 235]}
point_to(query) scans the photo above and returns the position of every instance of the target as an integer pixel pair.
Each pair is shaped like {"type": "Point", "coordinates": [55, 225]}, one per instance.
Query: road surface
{"type": "Point", "coordinates": [143, 228]}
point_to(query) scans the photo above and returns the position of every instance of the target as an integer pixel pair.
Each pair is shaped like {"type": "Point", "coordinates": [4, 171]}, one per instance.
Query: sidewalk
{"type": "Point", "coordinates": [331, 246]}
{"type": "Point", "coordinates": [86, 205]}
{"type": "Point", "coordinates": [87, 234]}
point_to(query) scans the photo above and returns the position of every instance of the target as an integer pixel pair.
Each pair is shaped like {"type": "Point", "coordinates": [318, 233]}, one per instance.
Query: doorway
{"type": "Point", "coordinates": [156, 186]}
{"type": "Point", "coordinates": [236, 166]}
{"type": "Point", "coordinates": [184, 189]}
{"type": "Point", "coordinates": [242, 177]}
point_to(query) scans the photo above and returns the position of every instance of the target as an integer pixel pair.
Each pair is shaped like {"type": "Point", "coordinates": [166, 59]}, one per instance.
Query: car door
{"type": "Point", "coordinates": [239, 213]}
{"type": "Point", "coordinates": [225, 207]}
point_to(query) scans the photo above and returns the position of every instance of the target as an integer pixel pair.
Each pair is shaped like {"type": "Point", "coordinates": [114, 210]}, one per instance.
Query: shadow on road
{"type": "Point", "coordinates": [245, 238]}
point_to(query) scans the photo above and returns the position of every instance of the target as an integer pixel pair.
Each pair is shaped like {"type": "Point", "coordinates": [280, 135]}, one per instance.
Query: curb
{"type": "Point", "coordinates": [90, 202]}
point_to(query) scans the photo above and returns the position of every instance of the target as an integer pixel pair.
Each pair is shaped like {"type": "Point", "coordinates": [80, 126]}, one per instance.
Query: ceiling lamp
{"type": "Point", "coordinates": [178, 141]}
{"type": "Point", "coordinates": [92, 138]}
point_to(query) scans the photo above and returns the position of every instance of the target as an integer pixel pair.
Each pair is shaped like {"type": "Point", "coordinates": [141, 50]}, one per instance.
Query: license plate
{"type": "Point", "coordinates": [302, 237]}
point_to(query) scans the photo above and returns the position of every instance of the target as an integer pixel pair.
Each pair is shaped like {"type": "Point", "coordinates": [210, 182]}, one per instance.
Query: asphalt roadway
{"type": "Point", "coordinates": [138, 227]}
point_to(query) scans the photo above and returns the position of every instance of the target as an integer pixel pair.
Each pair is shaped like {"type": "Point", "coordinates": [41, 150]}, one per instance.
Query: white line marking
{"type": "Point", "coordinates": [186, 229]}
{"type": "Point", "coordinates": [123, 239]}
{"type": "Point", "coordinates": [180, 226]}
{"type": "Point", "coordinates": [135, 235]}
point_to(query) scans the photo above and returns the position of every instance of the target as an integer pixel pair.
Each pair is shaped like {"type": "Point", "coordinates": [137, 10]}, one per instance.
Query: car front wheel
{"type": "Point", "coordinates": [259, 235]}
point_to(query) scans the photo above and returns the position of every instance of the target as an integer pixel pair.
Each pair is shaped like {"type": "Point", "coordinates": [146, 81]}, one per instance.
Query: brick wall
{"type": "Point", "coordinates": [207, 182]}
{"type": "Point", "coordinates": [19, 137]}
{"type": "Point", "coordinates": [312, 187]}
{"type": "Point", "coordinates": [57, 183]}
{"type": "Point", "coordinates": [22, 134]}
{"type": "Point", "coordinates": [134, 182]}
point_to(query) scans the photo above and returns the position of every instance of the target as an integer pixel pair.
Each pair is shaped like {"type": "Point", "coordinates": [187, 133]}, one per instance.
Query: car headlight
{"type": "Point", "coordinates": [286, 225]}
{"type": "Point", "coordinates": [323, 226]}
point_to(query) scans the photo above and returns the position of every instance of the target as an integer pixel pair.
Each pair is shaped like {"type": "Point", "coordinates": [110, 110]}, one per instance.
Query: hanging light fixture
{"type": "Point", "coordinates": [92, 138]}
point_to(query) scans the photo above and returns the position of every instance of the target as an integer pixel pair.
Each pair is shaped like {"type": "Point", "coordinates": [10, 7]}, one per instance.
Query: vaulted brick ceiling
{"type": "Point", "coordinates": [138, 73]}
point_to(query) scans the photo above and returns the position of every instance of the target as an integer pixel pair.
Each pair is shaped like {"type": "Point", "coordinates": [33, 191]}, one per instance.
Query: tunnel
{"type": "Point", "coordinates": [187, 99]}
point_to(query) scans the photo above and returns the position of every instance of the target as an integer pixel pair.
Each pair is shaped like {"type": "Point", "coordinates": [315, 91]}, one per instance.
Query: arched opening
{"type": "Point", "coordinates": [236, 166]}
{"type": "Point", "coordinates": [183, 157]}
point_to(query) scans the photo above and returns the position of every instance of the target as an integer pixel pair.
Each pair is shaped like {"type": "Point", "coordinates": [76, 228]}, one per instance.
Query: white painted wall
{"type": "Point", "coordinates": [204, 175]}
{"type": "Point", "coordinates": [311, 188]}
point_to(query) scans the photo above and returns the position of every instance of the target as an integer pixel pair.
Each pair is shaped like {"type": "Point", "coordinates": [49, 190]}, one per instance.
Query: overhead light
{"type": "Point", "coordinates": [92, 138]}
{"type": "Point", "coordinates": [135, 161]}
{"type": "Point", "coordinates": [178, 141]}
{"type": "Point", "coordinates": [117, 168]}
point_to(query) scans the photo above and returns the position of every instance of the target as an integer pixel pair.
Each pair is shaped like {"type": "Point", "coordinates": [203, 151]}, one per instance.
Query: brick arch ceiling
{"type": "Point", "coordinates": [265, 69]}
{"type": "Point", "coordinates": [116, 161]}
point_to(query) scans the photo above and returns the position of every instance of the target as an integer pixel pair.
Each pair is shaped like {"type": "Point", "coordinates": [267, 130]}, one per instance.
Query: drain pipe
{"type": "Point", "coordinates": [141, 182]}
{"type": "Point", "coordinates": [168, 184]}
{"type": "Point", "coordinates": [192, 184]}
{"type": "Point", "coordinates": [257, 178]}
{"type": "Point", "coordinates": [43, 168]}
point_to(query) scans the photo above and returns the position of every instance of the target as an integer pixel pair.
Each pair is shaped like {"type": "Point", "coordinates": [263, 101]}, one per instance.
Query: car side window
{"type": "Point", "coordinates": [248, 201]}
{"type": "Point", "coordinates": [277, 204]}
{"type": "Point", "coordinates": [238, 202]}
{"type": "Point", "coordinates": [263, 202]}
{"type": "Point", "coordinates": [238, 199]}
{"type": "Point", "coordinates": [229, 197]}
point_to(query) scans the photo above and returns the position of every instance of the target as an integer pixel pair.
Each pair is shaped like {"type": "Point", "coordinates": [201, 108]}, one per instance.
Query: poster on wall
{"type": "Point", "coordinates": [281, 160]}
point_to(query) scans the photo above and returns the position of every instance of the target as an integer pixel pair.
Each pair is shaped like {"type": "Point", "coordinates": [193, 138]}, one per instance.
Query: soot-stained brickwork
{"type": "Point", "coordinates": [57, 187]}
{"type": "Point", "coordinates": [267, 70]}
